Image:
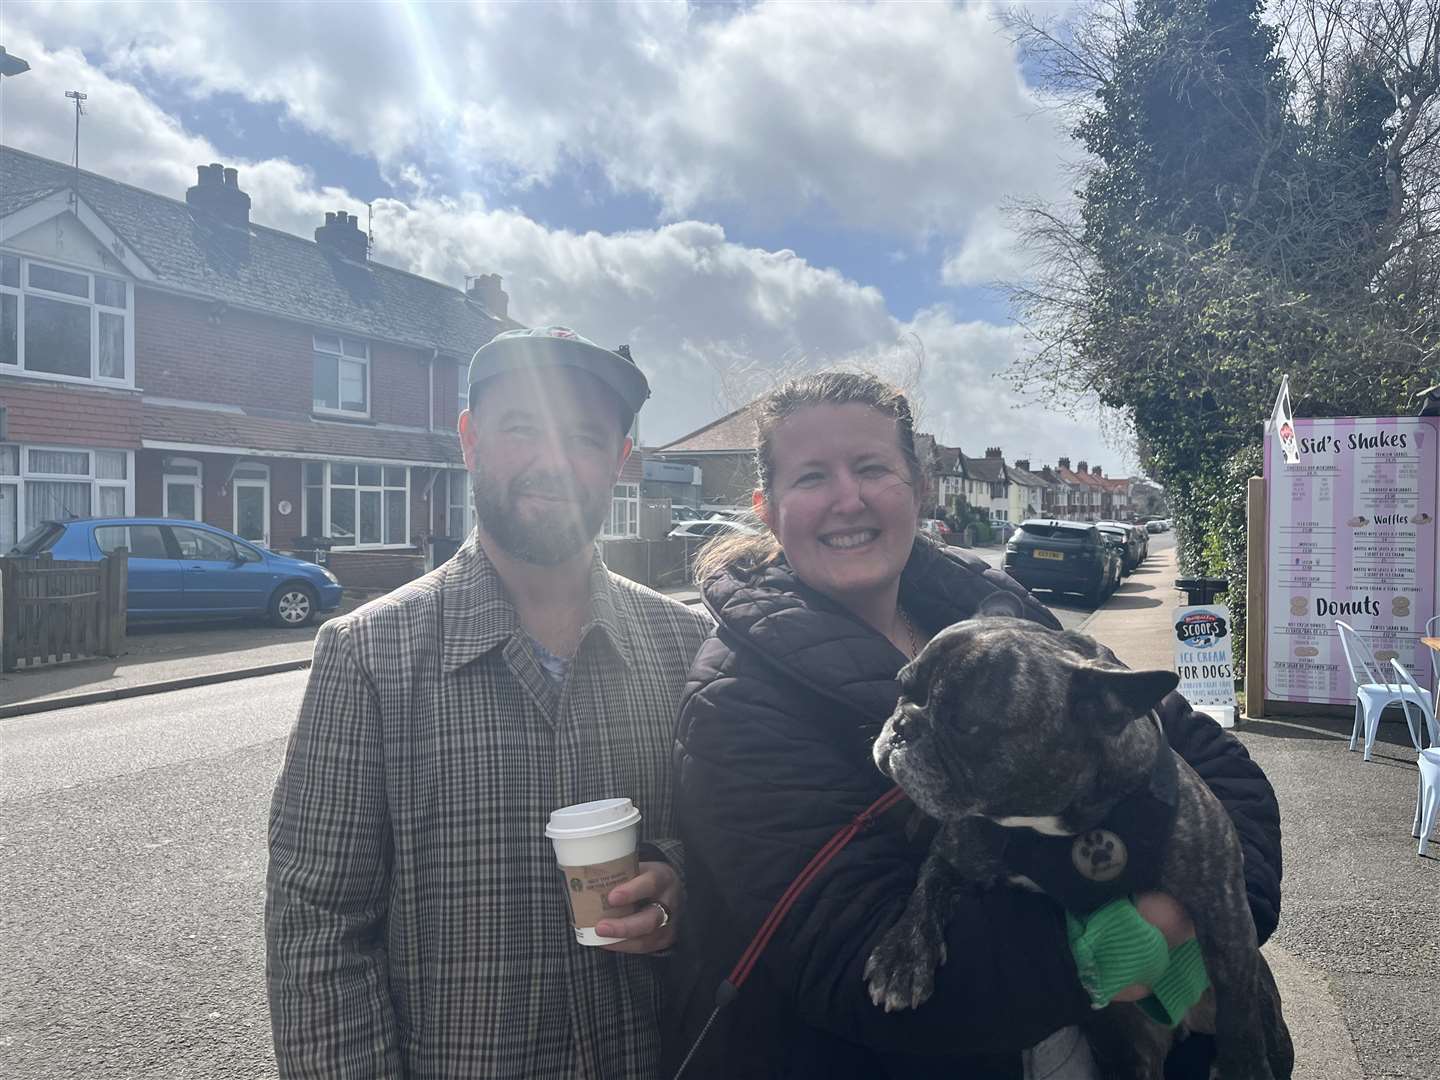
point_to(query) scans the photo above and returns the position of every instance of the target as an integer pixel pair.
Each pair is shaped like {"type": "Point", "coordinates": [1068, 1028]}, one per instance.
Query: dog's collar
{"type": "Point", "coordinates": [1120, 856]}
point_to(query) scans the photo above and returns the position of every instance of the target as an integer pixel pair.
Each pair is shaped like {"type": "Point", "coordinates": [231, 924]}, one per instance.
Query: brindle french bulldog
{"type": "Point", "coordinates": [1040, 756]}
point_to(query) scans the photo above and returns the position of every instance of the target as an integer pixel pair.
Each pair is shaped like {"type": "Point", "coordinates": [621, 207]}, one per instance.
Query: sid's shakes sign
{"type": "Point", "coordinates": [1350, 535]}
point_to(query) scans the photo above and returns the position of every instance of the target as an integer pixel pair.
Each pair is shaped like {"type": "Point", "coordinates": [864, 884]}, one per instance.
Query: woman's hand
{"type": "Point", "coordinates": [1164, 912]}
{"type": "Point", "coordinates": [648, 930]}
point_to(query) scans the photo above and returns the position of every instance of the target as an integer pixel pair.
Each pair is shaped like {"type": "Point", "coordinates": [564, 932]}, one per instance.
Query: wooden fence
{"type": "Point", "coordinates": [51, 610]}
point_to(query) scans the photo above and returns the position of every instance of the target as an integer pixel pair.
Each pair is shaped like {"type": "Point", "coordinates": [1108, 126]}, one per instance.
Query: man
{"type": "Point", "coordinates": [415, 919]}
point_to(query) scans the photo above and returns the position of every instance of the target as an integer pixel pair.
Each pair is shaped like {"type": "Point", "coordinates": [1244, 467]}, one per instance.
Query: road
{"type": "Point", "coordinates": [1070, 610]}
{"type": "Point", "coordinates": [131, 883]}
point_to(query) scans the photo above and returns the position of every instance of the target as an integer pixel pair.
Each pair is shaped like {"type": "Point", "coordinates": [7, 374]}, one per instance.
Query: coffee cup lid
{"type": "Point", "coordinates": [591, 819]}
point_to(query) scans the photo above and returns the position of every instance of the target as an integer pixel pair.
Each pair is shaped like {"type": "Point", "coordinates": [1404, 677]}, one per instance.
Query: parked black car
{"type": "Point", "coordinates": [1063, 556]}
{"type": "Point", "coordinates": [1133, 542]}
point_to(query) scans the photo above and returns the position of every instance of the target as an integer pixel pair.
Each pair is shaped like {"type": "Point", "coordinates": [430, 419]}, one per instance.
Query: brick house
{"type": "Point", "coordinates": [167, 357]}
{"type": "Point", "coordinates": [1027, 491]}
{"type": "Point", "coordinates": [724, 452]}
{"type": "Point", "coordinates": [1085, 490]}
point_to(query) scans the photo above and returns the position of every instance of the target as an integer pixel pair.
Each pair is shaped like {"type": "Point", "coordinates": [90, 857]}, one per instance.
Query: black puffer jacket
{"type": "Point", "coordinates": [773, 757]}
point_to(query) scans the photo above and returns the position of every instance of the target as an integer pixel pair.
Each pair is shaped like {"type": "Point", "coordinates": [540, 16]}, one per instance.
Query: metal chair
{"type": "Point", "coordinates": [1374, 690]}
{"type": "Point", "coordinates": [1414, 693]}
{"type": "Point", "coordinates": [1427, 798]}
{"type": "Point", "coordinates": [1432, 629]}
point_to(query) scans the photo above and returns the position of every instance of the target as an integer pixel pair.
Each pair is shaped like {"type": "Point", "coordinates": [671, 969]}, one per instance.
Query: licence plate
{"type": "Point", "coordinates": [1058, 556]}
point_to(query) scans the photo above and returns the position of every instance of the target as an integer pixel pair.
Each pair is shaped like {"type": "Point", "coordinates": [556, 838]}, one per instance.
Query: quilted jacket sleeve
{"type": "Point", "coordinates": [1221, 761]}
{"type": "Point", "coordinates": [763, 785]}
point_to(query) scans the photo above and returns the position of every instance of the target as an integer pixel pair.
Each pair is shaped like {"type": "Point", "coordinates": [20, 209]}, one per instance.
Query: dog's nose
{"type": "Point", "coordinates": [907, 720]}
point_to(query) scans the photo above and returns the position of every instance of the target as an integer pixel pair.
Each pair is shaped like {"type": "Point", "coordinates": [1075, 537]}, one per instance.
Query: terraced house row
{"type": "Point", "coordinates": [167, 357]}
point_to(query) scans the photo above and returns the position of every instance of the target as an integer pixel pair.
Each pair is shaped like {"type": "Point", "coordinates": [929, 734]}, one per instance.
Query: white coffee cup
{"type": "Point", "coordinates": [595, 845]}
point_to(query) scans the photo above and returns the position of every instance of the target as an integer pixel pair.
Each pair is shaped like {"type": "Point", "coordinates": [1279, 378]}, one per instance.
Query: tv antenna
{"type": "Point", "coordinates": [79, 99]}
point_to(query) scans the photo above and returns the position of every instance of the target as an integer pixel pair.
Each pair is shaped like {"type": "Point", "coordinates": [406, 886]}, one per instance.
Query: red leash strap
{"type": "Point", "coordinates": [727, 990]}
{"type": "Point", "coordinates": [802, 881]}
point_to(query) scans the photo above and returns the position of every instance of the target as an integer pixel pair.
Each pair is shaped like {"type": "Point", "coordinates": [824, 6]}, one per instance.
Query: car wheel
{"type": "Point", "coordinates": [292, 605]}
{"type": "Point", "coordinates": [1095, 595]}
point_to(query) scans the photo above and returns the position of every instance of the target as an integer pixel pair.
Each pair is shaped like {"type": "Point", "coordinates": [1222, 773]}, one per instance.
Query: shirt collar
{"type": "Point", "coordinates": [479, 615]}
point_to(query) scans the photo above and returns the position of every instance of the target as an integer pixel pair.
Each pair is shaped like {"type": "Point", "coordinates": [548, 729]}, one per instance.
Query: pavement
{"type": "Point", "coordinates": [166, 656]}
{"type": "Point", "coordinates": [1356, 956]}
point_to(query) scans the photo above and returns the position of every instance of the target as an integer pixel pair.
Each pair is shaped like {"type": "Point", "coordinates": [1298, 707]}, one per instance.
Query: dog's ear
{"type": "Point", "coordinates": [1110, 697]}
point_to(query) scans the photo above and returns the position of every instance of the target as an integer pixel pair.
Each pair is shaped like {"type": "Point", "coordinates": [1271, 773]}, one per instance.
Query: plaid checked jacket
{"type": "Point", "coordinates": [416, 923]}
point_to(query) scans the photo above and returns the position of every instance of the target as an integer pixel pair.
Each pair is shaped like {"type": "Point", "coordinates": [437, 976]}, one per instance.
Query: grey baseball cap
{"type": "Point", "coordinates": [559, 346]}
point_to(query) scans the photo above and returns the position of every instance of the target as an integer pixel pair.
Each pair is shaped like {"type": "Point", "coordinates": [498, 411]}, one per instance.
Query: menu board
{"type": "Point", "coordinates": [1351, 536]}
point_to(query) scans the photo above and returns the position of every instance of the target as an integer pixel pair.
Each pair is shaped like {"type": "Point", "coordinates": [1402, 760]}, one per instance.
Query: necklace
{"type": "Point", "coordinates": [910, 632]}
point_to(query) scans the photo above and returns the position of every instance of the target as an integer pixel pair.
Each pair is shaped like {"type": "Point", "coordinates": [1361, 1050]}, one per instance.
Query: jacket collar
{"type": "Point", "coordinates": [815, 640]}
{"type": "Point", "coordinates": [478, 614]}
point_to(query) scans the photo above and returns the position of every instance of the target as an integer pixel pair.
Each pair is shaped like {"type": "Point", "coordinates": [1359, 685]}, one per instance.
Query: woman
{"type": "Point", "coordinates": [815, 617]}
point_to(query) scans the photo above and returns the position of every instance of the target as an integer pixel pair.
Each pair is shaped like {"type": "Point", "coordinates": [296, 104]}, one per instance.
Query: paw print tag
{"type": "Point", "coordinates": [1099, 855]}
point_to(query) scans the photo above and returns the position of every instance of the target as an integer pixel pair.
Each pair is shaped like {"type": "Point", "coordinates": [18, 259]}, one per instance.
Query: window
{"type": "Point", "coordinates": [143, 541]}
{"type": "Point", "coordinates": [358, 505]}
{"type": "Point", "coordinates": [202, 546]}
{"type": "Point", "coordinates": [342, 375]}
{"type": "Point", "coordinates": [182, 487]}
{"type": "Point", "coordinates": [62, 323]}
{"type": "Point", "coordinates": [9, 497]}
{"type": "Point", "coordinates": [461, 504]}
{"type": "Point", "coordinates": [40, 484]}
{"type": "Point", "coordinates": [624, 511]}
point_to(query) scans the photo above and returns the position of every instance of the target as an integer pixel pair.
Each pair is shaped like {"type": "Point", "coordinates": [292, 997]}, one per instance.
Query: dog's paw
{"type": "Point", "coordinates": [901, 971]}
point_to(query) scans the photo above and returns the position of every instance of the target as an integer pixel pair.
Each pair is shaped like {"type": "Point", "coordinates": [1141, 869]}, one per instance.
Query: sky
{"type": "Point", "coordinates": [735, 190]}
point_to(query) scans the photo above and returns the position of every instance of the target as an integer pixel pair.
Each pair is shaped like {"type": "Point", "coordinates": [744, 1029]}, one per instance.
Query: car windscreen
{"type": "Point", "coordinates": [1055, 533]}
{"type": "Point", "coordinates": [41, 538]}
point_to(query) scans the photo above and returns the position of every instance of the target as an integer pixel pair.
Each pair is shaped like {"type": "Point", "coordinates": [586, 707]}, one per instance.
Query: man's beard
{"type": "Point", "coordinates": [549, 538]}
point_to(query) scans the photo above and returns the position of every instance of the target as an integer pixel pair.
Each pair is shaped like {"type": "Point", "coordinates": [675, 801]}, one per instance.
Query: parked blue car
{"type": "Point", "coordinates": [184, 569]}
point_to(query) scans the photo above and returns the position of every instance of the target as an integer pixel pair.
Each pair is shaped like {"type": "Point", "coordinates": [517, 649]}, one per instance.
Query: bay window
{"type": "Point", "coordinates": [358, 505]}
{"type": "Point", "coordinates": [59, 483]}
{"type": "Point", "coordinates": [460, 515]}
{"type": "Point", "coordinates": [342, 375]}
{"type": "Point", "coordinates": [624, 511]}
{"type": "Point", "coordinates": [61, 323]}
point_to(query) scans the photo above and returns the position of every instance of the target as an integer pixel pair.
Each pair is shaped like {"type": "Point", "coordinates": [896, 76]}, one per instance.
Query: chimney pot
{"type": "Point", "coordinates": [1022, 463]}
{"type": "Point", "coordinates": [341, 234]}
{"type": "Point", "coordinates": [1082, 467]}
{"type": "Point", "coordinates": [217, 195]}
{"type": "Point", "coordinates": [485, 289]}
{"type": "Point", "coordinates": [993, 452]}
{"type": "Point", "coordinates": [1096, 470]}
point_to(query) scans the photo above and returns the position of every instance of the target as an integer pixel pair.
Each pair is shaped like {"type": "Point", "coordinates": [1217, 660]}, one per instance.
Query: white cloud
{"type": "Point", "coordinates": [911, 118]}
{"type": "Point", "coordinates": [691, 302]}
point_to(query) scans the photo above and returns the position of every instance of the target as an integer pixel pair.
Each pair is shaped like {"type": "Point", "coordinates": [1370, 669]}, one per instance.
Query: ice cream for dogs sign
{"type": "Point", "coordinates": [1202, 657]}
{"type": "Point", "coordinates": [1351, 535]}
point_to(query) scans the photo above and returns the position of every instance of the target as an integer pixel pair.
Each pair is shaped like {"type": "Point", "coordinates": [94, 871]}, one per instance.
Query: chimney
{"type": "Point", "coordinates": [341, 234]}
{"type": "Point", "coordinates": [217, 194]}
{"type": "Point", "coordinates": [1082, 468]}
{"type": "Point", "coordinates": [993, 452]}
{"type": "Point", "coordinates": [1096, 471]}
{"type": "Point", "coordinates": [486, 291]}
{"type": "Point", "coordinates": [1064, 463]}
{"type": "Point", "coordinates": [1022, 464]}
